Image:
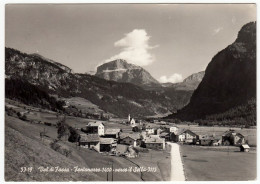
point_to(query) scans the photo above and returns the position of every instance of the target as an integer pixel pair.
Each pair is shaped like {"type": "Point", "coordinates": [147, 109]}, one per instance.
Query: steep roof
{"type": "Point", "coordinates": [134, 136]}
{"type": "Point", "coordinates": [112, 131]}
{"type": "Point", "coordinates": [153, 140]}
{"type": "Point", "coordinates": [230, 132]}
{"type": "Point", "coordinates": [245, 146]}
{"type": "Point", "coordinates": [181, 131]}
{"type": "Point", "coordinates": [89, 138]}
{"type": "Point", "coordinates": [107, 140]}
{"type": "Point", "coordinates": [94, 124]}
{"type": "Point", "coordinates": [164, 133]}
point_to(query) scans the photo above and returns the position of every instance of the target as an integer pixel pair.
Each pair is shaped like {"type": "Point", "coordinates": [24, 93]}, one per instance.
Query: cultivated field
{"type": "Point", "coordinates": [215, 164]}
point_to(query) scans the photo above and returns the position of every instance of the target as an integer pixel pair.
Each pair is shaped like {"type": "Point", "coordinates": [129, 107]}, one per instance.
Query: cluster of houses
{"type": "Point", "coordinates": [117, 141]}
{"type": "Point", "coordinates": [149, 135]}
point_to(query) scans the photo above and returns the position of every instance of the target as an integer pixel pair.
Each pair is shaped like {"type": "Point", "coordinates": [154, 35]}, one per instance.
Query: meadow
{"type": "Point", "coordinates": [25, 137]}
{"type": "Point", "coordinates": [202, 164]}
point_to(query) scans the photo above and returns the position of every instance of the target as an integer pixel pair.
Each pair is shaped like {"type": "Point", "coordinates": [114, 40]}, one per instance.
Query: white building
{"type": "Point", "coordinates": [131, 121]}
{"type": "Point", "coordinates": [96, 128]}
{"type": "Point", "coordinates": [149, 130]}
{"type": "Point", "coordinates": [173, 129]}
{"type": "Point", "coordinates": [154, 142]}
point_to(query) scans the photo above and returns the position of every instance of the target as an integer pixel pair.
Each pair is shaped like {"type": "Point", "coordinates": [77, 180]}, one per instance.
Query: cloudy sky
{"type": "Point", "coordinates": [170, 41]}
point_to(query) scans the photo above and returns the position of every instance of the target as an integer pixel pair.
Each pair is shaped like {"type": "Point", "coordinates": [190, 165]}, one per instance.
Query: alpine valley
{"type": "Point", "coordinates": [118, 88]}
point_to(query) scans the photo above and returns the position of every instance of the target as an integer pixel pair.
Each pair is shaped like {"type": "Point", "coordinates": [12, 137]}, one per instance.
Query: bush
{"type": "Point", "coordinates": [74, 136]}
{"type": "Point", "coordinates": [48, 124]}
{"type": "Point", "coordinates": [135, 129]}
{"type": "Point", "coordinates": [54, 145]}
{"type": "Point", "coordinates": [57, 147]}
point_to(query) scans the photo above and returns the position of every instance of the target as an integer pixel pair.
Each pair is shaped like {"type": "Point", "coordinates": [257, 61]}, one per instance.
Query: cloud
{"type": "Point", "coordinates": [135, 48]}
{"type": "Point", "coordinates": [217, 30]}
{"type": "Point", "coordinates": [173, 78]}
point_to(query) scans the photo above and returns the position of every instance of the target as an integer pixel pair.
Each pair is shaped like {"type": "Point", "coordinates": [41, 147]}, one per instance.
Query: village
{"type": "Point", "coordinates": [142, 135]}
{"type": "Point", "coordinates": [164, 146]}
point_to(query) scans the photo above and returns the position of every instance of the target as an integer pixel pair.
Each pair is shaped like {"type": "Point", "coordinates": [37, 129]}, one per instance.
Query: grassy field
{"type": "Point", "coordinates": [25, 149]}
{"type": "Point", "coordinates": [79, 157]}
{"type": "Point", "coordinates": [161, 160]}
{"type": "Point", "coordinates": [85, 106]}
{"type": "Point", "coordinates": [207, 164]}
{"type": "Point", "coordinates": [24, 145]}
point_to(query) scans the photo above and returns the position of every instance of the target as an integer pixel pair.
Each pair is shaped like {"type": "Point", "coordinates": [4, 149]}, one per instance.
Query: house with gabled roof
{"type": "Point", "coordinates": [96, 128]}
{"type": "Point", "coordinates": [165, 135]}
{"type": "Point", "coordinates": [244, 148]}
{"type": "Point", "coordinates": [209, 140]}
{"type": "Point", "coordinates": [108, 144]}
{"type": "Point", "coordinates": [154, 142]}
{"type": "Point", "coordinates": [184, 135]}
{"type": "Point", "coordinates": [130, 138]}
{"type": "Point", "coordinates": [91, 141]}
{"type": "Point", "coordinates": [231, 137]}
{"type": "Point", "coordinates": [171, 129]}
{"type": "Point", "coordinates": [112, 132]}
{"type": "Point", "coordinates": [151, 128]}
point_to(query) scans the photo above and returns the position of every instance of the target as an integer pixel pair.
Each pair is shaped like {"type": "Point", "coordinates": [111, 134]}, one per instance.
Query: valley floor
{"type": "Point", "coordinates": [218, 164]}
{"type": "Point", "coordinates": [25, 148]}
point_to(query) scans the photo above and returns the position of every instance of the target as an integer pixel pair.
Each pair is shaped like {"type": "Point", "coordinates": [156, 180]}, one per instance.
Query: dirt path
{"type": "Point", "coordinates": [177, 173]}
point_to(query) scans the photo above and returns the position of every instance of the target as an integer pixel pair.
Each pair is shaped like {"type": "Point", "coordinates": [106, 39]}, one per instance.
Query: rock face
{"type": "Point", "coordinates": [121, 71]}
{"type": "Point", "coordinates": [196, 77]}
{"type": "Point", "coordinates": [230, 78]}
{"type": "Point", "coordinates": [188, 84]}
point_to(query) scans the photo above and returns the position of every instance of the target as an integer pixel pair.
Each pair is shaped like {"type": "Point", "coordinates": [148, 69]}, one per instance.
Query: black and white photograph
{"type": "Point", "coordinates": [130, 92]}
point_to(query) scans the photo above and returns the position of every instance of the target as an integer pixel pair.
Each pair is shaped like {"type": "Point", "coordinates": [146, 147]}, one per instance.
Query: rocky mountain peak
{"type": "Point", "coordinates": [116, 65]}
{"type": "Point", "coordinates": [196, 77]}
{"type": "Point", "coordinates": [121, 71]}
{"type": "Point", "coordinates": [247, 34]}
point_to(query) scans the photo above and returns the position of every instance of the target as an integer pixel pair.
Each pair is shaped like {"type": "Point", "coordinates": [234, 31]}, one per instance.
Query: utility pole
{"type": "Point", "coordinates": [112, 171]}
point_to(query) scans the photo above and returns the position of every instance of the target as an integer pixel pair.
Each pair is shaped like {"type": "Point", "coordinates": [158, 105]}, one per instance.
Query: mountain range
{"type": "Point", "coordinates": [121, 88]}
{"type": "Point", "coordinates": [189, 84]}
{"type": "Point", "coordinates": [118, 98]}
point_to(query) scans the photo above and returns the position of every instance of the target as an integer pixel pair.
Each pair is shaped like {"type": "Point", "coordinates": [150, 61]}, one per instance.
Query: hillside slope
{"type": "Point", "coordinates": [230, 78]}
{"type": "Point", "coordinates": [114, 97]}
{"type": "Point", "coordinates": [23, 149]}
{"type": "Point", "coordinates": [31, 95]}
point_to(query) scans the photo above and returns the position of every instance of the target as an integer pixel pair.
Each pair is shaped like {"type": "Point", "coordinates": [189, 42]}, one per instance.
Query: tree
{"type": "Point", "coordinates": [74, 136]}
{"type": "Point", "coordinates": [62, 128]}
{"type": "Point", "coordinates": [135, 129]}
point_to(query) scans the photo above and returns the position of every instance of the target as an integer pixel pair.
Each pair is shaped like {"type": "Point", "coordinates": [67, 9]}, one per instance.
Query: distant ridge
{"type": "Point", "coordinates": [189, 84]}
